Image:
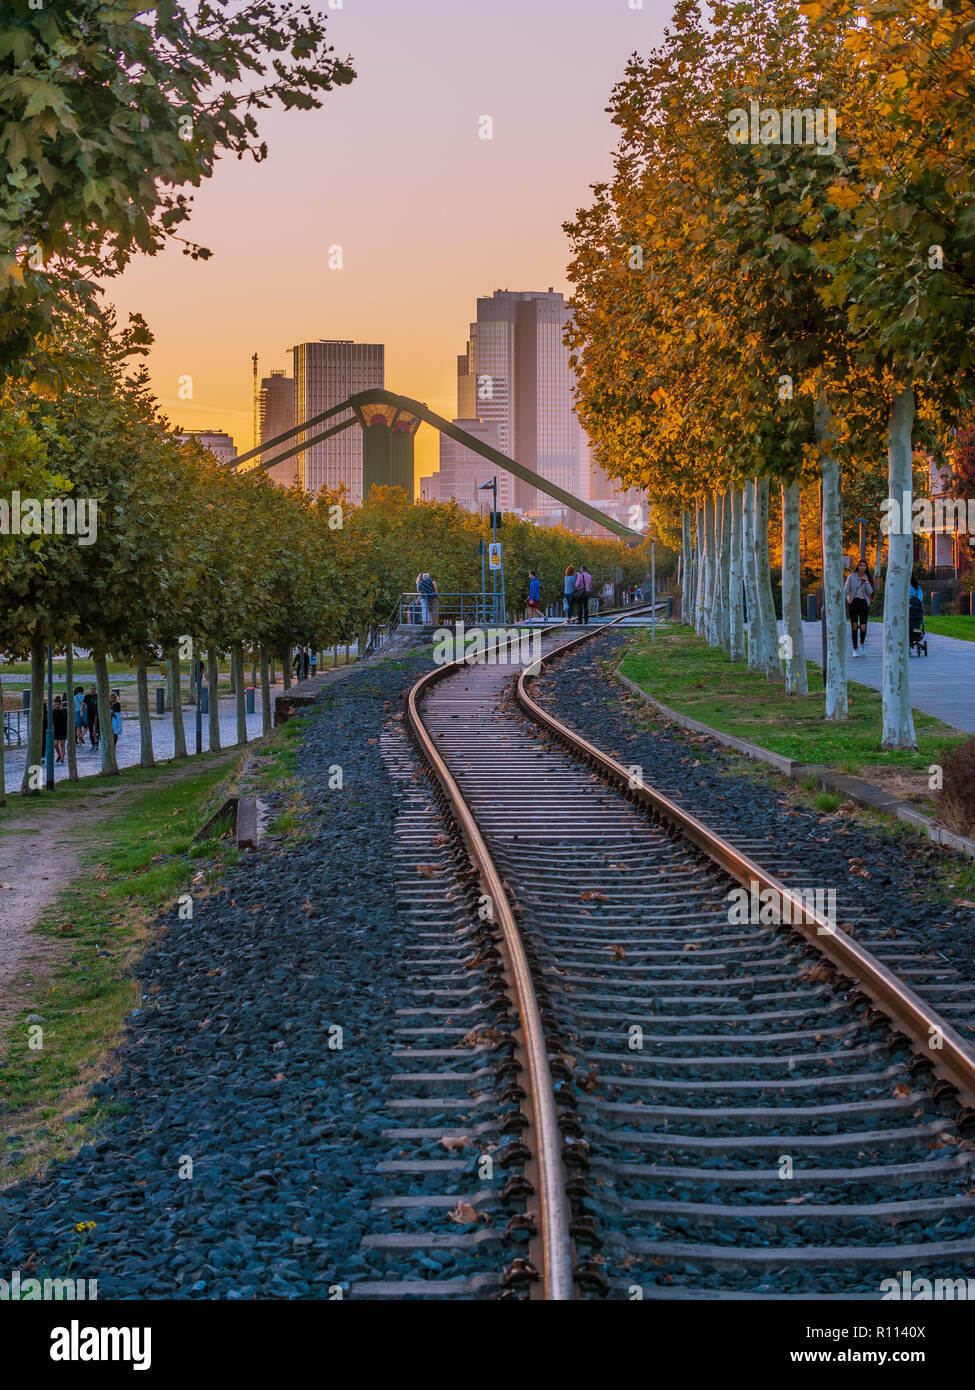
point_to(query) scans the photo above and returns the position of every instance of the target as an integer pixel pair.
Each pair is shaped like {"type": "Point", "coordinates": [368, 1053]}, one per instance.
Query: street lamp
{"type": "Point", "coordinates": [492, 483]}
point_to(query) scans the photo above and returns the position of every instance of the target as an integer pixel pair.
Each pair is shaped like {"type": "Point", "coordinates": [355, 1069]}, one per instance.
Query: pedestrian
{"type": "Point", "coordinates": [60, 718]}
{"type": "Point", "coordinates": [428, 597]}
{"type": "Point", "coordinates": [534, 608]}
{"type": "Point", "coordinates": [116, 709]}
{"type": "Point", "coordinates": [633, 593]}
{"type": "Point", "coordinates": [301, 664]}
{"type": "Point", "coordinates": [568, 591]}
{"type": "Point", "coordinates": [859, 592]}
{"type": "Point", "coordinates": [583, 585]}
{"type": "Point", "coordinates": [915, 593]}
{"type": "Point", "coordinates": [91, 715]}
{"type": "Point", "coordinates": [78, 695]}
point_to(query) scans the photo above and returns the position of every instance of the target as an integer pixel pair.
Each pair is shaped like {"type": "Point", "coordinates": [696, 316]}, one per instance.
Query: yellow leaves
{"type": "Point", "coordinates": [842, 196]}
{"type": "Point", "coordinates": [897, 79]}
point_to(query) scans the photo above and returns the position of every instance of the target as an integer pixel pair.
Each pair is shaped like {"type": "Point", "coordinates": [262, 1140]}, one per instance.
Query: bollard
{"type": "Point", "coordinates": [160, 699]}
{"type": "Point", "coordinates": [26, 699]}
{"type": "Point", "coordinates": [249, 699]}
{"type": "Point", "coordinates": [810, 608]}
{"type": "Point", "coordinates": [204, 701]}
{"type": "Point", "coordinates": [935, 603]}
{"type": "Point", "coordinates": [670, 607]}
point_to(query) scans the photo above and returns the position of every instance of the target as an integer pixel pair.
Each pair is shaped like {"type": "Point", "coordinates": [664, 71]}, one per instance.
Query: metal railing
{"type": "Point", "coordinates": [446, 608]}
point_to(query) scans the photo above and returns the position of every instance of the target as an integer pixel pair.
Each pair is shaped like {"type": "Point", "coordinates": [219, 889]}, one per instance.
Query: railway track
{"type": "Point", "coordinates": [703, 1109]}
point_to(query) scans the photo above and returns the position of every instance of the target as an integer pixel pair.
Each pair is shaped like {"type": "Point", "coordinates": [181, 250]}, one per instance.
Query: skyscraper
{"type": "Point", "coordinates": [326, 373]}
{"type": "Point", "coordinates": [515, 376]}
{"type": "Point", "coordinates": [275, 414]}
{"type": "Point", "coordinates": [218, 442]}
{"type": "Point", "coordinates": [461, 470]}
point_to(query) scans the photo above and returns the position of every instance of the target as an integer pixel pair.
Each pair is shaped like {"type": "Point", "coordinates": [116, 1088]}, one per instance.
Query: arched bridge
{"type": "Point", "coordinates": [388, 452]}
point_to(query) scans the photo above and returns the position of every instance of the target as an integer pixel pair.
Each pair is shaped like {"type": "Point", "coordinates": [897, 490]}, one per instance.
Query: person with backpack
{"type": "Point", "coordinates": [534, 607]}
{"type": "Point", "coordinates": [116, 720]}
{"type": "Point", "coordinates": [428, 597]}
{"type": "Point", "coordinates": [568, 591]}
{"type": "Point", "coordinates": [859, 592]}
{"type": "Point", "coordinates": [583, 585]}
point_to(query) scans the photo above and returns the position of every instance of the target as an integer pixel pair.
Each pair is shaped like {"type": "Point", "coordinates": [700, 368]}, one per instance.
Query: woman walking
{"type": "Point", "coordinates": [859, 592]}
{"type": "Point", "coordinates": [568, 591]}
{"type": "Point", "coordinates": [60, 720]}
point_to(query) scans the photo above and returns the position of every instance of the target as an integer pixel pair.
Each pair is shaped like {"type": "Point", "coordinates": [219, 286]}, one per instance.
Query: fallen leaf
{"type": "Point", "coordinates": [901, 1091]}
{"type": "Point", "coordinates": [466, 1215]}
{"type": "Point", "coordinates": [427, 870]}
{"type": "Point", "coordinates": [453, 1142]}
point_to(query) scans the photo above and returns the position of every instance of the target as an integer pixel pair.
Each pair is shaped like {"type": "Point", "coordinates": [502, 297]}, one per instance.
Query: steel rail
{"type": "Point", "coordinates": [933, 1036]}
{"type": "Point", "coordinates": [553, 1205]}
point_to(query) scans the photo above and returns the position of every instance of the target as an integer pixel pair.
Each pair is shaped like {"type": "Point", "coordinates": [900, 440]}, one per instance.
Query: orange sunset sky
{"type": "Point", "coordinates": [428, 215]}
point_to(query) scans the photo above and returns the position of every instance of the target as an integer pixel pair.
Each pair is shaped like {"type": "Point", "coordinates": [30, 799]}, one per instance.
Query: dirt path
{"type": "Point", "coordinates": [43, 847]}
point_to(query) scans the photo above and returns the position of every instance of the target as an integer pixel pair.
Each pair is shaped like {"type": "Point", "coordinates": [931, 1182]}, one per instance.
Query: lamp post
{"type": "Point", "coordinates": [492, 483]}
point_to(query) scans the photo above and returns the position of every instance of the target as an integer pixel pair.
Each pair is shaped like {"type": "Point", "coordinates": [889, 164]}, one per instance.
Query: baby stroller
{"type": "Point", "coordinates": [915, 628]}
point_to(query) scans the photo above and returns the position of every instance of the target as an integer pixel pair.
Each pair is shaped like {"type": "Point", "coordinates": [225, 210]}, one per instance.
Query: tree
{"type": "Point", "coordinates": [107, 112]}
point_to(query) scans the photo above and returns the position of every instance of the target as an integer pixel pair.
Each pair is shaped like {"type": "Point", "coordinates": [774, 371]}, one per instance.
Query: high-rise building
{"type": "Point", "coordinates": [430, 488]}
{"type": "Point", "coordinates": [462, 470]}
{"type": "Point", "coordinates": [515, 376]}
{"type": "Point", "coordinates": [220, 444]}
{"type": "Point", "coordinates": [326, 373]}
{"type": "Point", "coordinates": [275, 414]}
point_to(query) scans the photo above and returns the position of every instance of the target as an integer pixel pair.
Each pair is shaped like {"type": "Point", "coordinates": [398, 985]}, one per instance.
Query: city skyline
{"type": "Point", "coordinates": [385, 215]}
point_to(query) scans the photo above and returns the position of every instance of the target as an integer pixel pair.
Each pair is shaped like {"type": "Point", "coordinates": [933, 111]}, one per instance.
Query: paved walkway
{"type": "Point", "coordinates": [127, 748]}
{"type": "Point", "coordinates": [942, 683]}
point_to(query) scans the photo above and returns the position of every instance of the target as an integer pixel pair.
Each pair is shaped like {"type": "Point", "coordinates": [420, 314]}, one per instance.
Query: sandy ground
{"type": "Point", "coordinates": [38, 857]}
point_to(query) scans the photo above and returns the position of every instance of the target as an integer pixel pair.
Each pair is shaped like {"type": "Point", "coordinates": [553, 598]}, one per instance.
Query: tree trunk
{"type": "Point", "coordinates": [836, 699]}
{"type": "Point", "coordinates": [700, 606]}
{"type": "Point", "coordinates": [724, 616]}
{"type": "Point", "coordinates": [237, 657]}
{"type": "Point", "coordinates": [753, 617]}
{"type": "Point", "coordinates": [795, 651]}
{"type": "Point", "coordinates": [146, 758]}
{"type": "Point", "coordinates": [35, 723]}
{"type": "Point", "coordinates": [179, 731]}
{"type": "Point", "coordinates": [286, 668]}
{"type": "Point", "coordinates": [71, 746]}
{"type": "Point", "coordinates": [898, 721]}
{"type": "Point", "coordinates": [253, 668]}
{"type": "Point", "coordinates": [714, 570]}
{"type": "Point", "coordinates": [736, 616]}
{"type": "Point", "coordinates": [769, 629]}
{"type": "Point", "coordinates": [213, 695]}
{"type": "Point", "coordinates": [106, 741]}
{"type": "Point", "coordinates": [265, 690]}
{"type": "Point", "coordinates": [686, 593]}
